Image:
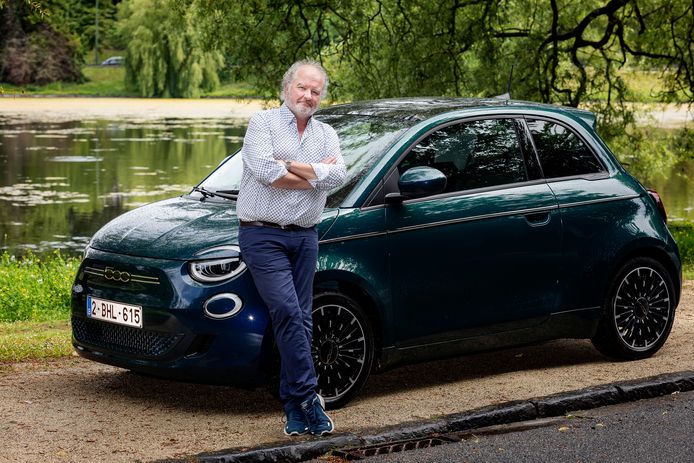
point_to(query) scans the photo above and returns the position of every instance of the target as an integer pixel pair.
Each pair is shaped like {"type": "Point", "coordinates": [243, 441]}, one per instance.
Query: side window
{"type": "Point", "coordinates": [562, 153]}
{"type": "Point", "coordinates": [473, 154]}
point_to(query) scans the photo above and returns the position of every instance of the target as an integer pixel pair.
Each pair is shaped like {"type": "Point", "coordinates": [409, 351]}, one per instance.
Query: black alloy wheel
{"type": "Point", "coordinates": [639, 311]}
{"type": "Point", "coordinates": [343, 347]}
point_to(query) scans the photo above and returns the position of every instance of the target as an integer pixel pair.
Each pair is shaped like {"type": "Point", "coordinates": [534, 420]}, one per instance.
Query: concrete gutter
{"type": "Point", "coordinates": [510, 412]}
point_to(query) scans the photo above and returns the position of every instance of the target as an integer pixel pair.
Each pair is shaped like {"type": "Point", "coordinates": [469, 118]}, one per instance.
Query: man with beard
{"type": "Point", "coordinates": [290, 162]}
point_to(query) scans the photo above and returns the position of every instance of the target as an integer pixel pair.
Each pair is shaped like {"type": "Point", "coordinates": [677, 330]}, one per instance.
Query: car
{"type": "Point", "coordinates": [113, 61]}
{"type": "Point", "coordinates": [464, 225]}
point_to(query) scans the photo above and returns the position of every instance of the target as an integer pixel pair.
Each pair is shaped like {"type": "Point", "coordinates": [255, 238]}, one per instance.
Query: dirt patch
{"type": "Point", "coordinates": [134, 109]}
{"type": "Point", "coordinates": [78, 411]}
{"type": "Point", "coordinates": [60, 109]}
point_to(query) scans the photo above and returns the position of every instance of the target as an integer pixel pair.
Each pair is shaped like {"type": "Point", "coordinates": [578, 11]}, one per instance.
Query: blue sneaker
{"type": "Point", "coordinates": [319, 423]}
{"type": "Point", "coordinates": [296, 424]}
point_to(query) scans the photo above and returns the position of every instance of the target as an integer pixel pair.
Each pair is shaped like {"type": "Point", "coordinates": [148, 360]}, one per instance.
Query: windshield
{"type": "Point", "coordinates": [363, 139]}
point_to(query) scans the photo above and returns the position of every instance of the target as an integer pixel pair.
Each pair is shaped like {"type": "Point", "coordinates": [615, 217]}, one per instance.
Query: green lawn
{"type": "Point", "coordinates": [108, 81]}
{"type": "Point", "coordinates": [100, 81]}
{"type": "Point", "coordinates": [34, 340]}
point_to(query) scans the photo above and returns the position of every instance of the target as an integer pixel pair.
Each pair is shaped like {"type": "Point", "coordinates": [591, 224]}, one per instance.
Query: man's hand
{"type": "Point", "coordinates": [299, 173]}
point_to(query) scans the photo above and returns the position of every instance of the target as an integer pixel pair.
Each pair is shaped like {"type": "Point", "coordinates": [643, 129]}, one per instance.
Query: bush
{"type": "Point", "coordinates": [684, 235]}
{"type": "Point", "coordinates": [34, 288]}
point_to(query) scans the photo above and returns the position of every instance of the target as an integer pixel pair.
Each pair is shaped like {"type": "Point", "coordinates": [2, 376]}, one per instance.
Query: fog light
{"type": "Point", "coordinates": [222, 306]}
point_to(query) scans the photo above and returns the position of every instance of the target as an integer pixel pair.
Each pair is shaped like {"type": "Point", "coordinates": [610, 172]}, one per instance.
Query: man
{"type": "Point", "coordinates": [290, 162]}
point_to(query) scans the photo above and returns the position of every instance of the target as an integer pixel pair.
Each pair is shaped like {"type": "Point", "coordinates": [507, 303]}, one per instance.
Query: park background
{"type": "Point", "coordinates": [625, 60]}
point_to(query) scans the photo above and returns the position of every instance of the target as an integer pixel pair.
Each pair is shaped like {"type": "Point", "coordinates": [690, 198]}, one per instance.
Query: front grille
{"type": "Point", "coordinates": [123, 339]}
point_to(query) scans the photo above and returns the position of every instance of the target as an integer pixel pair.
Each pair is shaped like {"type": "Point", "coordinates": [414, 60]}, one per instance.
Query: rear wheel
{"type": "Point", "coordinates": [343, 347]}
{"type": "Point", "coordinates": [639, 311]}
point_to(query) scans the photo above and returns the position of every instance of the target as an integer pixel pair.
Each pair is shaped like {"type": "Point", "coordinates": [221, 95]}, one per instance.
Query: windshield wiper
{"type": "Point", "coordinates": [209, 193]}
{"type": "Point", "coordinates": [231, 193]}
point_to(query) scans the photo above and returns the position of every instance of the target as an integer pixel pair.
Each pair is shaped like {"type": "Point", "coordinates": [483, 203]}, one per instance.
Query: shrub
{"type": "Point", "coordinates": [35, 288]}
{"type": "Point", "coordinates": [684, 235]}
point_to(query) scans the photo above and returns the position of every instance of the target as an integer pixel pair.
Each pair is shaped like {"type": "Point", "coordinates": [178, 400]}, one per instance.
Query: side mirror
{"type": "Point", "coordinates": [418, 182]}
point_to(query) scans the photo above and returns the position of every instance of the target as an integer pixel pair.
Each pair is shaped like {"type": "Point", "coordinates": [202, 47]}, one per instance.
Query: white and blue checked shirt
{"type": "Point", "coordinates": [273, 135]}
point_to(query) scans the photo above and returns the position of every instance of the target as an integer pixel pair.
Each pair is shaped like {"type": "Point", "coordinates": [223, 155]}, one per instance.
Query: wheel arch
{"type": "Point", "coordinates": [654, 250]}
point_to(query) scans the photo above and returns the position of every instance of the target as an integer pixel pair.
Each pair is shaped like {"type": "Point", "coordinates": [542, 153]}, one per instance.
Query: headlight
{"type": "Point", "coordinates": [216, 270]}
{"type": "Point", "coordinates": [213, 271]}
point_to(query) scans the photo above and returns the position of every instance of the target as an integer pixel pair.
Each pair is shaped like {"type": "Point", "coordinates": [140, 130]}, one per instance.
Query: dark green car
{"type": "Point", "coordinates": [464, 225]}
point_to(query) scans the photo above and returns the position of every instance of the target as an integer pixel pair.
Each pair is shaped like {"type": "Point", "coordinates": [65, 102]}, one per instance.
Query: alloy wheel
{"type": "Point", "coordinates": [341, 351]}
{"type": "Point", "coordinates": [642, 308]}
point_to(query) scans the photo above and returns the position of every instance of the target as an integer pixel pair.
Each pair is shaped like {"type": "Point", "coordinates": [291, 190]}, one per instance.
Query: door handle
{"type": "Point", "coordinates": [538, 219]}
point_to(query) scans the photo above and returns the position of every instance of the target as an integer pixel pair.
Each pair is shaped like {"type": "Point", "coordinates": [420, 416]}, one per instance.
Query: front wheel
{"type": "Point", "coordinates": [343, 347]}
{"type": "Point", "coordinates": [639, 311]}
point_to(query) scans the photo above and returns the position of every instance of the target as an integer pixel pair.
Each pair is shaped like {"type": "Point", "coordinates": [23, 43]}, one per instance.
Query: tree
{"type": "Point", "coordinates": [164, 54]}
{"type": "Point", "coordinates": [560, 50]}
{"type": "Point", "coordinates": [34, 50]}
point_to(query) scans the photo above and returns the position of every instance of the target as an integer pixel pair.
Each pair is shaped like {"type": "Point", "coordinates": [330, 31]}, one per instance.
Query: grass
{"type": "Point", "coordinates": [31, 340]}
{"type": "Point", "coordinates": [106, 81]}
{"type": "Point", "coordinates": [35, 306]}
{"type": "Point", "coordinates": [36, 289]}
{"type": "Point", "coordinates": [109, 81]}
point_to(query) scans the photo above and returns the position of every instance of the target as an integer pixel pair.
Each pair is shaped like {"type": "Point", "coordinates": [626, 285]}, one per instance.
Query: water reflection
{"type": "Point", "coordinates": [60, 182]}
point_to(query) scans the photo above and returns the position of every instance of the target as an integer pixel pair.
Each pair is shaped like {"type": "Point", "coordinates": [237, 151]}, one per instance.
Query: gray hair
{"type": "Point", "coordinates": [291, 73]}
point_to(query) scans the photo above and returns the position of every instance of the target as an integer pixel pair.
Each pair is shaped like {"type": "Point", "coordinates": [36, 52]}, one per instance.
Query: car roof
{"type": "Point", "coordinates": [422, 108]}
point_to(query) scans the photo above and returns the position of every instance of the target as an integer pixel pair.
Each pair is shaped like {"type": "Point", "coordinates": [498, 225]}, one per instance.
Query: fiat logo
{"type": "Point", "coordinates": [112, 274]}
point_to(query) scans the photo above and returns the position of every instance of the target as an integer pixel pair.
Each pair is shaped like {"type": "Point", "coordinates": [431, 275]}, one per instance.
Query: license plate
{"type": "Point", "coordinates": [114, 312]}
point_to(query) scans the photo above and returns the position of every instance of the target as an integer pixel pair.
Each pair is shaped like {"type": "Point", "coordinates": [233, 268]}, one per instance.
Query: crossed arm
{"type": "Point", "coordinates": [299, 174]}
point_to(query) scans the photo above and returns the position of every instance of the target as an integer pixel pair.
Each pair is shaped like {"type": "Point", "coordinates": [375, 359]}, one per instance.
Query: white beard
{"type": "Point", "coordinates": [301, 109]}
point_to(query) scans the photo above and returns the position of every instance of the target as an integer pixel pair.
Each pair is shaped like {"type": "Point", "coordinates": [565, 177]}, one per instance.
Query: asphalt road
{"type": "Point", "coordinates": [655, 430]}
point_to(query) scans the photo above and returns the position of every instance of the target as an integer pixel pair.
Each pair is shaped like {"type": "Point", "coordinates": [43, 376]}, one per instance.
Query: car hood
{"type": "Point", "coordinates": [177, 228]}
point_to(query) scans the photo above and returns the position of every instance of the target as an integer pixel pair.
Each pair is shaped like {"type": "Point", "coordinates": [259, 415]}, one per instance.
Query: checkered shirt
{"type": "Point", "coordinates": [273, 135]}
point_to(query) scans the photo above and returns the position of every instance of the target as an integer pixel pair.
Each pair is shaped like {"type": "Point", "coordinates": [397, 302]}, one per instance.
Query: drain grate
{"type": "Point", "coordinates": [357, 453]}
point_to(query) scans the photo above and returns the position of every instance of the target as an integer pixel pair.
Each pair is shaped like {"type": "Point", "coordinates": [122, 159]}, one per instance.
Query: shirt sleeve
{"type": "Point", "coordinates": [329, 176]}
{"type": "Point", "coordinates": [258, 151]}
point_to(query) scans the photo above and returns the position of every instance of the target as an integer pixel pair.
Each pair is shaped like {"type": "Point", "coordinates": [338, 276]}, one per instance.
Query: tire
{"type": "Point", "coordinates": [638, 311]}
{"type": "Point", "coordinates": [343, 347]}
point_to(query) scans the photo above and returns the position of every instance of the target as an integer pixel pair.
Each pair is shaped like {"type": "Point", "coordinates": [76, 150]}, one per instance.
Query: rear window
{"type": "Point", "coordinates": [562, 153]}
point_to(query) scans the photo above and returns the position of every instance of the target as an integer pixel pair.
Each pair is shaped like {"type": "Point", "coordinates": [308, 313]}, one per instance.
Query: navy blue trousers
{"type": "Point", "coordinates": [283, 263]}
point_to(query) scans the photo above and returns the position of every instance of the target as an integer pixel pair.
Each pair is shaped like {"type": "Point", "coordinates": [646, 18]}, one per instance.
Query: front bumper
{"type": "Point", "coordinates": [177, 339]}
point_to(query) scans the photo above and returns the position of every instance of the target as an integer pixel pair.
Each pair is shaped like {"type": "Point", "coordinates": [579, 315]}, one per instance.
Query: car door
{"type": "Point", "coordinates": [482, 256]}
{"type": "Point", "coordinates": [596, 209]}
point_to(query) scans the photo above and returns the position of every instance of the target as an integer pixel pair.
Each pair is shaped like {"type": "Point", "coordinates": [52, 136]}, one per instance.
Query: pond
{"type": "Point", "coordinates": [61, 181]}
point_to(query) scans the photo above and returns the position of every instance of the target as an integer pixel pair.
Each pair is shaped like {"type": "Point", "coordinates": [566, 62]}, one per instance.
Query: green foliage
{"type": "Point", "coordinates": [164, 53]}
{"type": "Point", "coordinates": [33, 49]}
{"type": "Point", "coordinates": [649, 153]}
{"type": "Point", "coordinates": [684, 235]}
{"type": "Point", "coordinates": [79, 19]}
{"type": "Point", "coordinates": [560, 50]}
{"type": "Point", "coordinates": [33, 288]}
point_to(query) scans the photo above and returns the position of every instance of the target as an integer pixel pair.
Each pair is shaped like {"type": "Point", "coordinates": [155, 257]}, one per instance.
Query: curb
{"type": "Point", "coordinates": [509, 412]}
